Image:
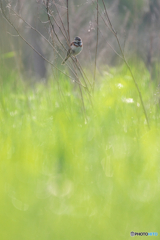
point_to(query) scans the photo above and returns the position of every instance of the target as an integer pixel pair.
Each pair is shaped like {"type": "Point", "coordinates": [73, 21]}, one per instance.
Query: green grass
{"type": "Point", "coordinates": [62, 178]}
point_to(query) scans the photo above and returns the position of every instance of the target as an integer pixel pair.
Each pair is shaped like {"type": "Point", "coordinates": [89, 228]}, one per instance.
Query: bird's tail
{"type": "Point", "coordinates": [65, 59]}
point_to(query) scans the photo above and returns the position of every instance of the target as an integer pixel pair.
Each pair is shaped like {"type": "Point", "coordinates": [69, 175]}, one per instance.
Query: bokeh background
{"type": "Point", "coordinates": [75, 165]}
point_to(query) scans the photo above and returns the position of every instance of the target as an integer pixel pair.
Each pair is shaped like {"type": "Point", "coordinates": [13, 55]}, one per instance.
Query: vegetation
{"type": "Point", "coordinates": [66, 177]}
{"type": "Point", "coordinates": [79, 143]}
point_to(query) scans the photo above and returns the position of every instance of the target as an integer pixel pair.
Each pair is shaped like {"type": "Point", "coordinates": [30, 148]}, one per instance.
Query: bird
{"type": "Point", "coordinates": [75, 48]}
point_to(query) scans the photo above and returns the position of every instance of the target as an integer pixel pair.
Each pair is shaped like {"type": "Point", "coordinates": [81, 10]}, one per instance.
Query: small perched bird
{"type": "Point", "coordinates": [75, 48]}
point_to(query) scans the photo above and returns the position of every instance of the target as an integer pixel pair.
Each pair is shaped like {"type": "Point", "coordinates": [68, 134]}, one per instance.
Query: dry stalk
{"type": "Point", "coordinates": [81, 94]}
{"type": "Point", "coordinates": [68, 21]}
{"type": "Point", "coordinates": [48, 43]}
{"type": "Point", "coordinates": [76, 64]}
{"type": "Point", "coordinates": [5, 17]}
{"type": "Point", "coordinates": [95, 65]}
{"type": "Point", "coordinates": [125, 61]}
{"type": "Point", "coordinates": [100, 14]}
{"type": "Point", "coordinates": [52, 26]}
{"type": "Point", "coordinates": [66, 39]}
{"type": "Point", "coordinates": [62, 23]}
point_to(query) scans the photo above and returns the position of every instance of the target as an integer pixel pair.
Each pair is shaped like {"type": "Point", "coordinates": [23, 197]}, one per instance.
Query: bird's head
{"type": "Point", "coordinates": [78, 39]}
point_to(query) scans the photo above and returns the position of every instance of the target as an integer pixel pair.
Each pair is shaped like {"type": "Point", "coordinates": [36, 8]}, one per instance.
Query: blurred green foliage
{"type": "Point", "coordinates": [130, 5]}
{"type": "Point", "coordinates": [62, 178]}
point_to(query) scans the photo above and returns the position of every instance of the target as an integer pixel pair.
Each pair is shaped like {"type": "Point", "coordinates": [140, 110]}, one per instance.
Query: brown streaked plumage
{"type": "Point", "coordinates": [75, 48]}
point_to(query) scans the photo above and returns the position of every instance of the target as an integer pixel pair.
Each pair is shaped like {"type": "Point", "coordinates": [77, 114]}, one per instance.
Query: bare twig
{"type": "Point", "coordinates": [63, 33]}
{"type": "Point", "coordinates": [62, 23]}
{"type": "Point", "coordinates": [47, 42]}
{"type": "Point", "coordinates": [52, 26]}
{"type": "Point", "coordinates": [110, 30]}
{"type": "Point", "coordinates": [68, 21]}
{"type": "Point", "coordinates": [77, 79]}
{"type": "Point", "coordinates": [95, 65]}
{"type": "Point", "coordinates": [4, 15]}
{"type": "Point", "coordinates": [68, 41]}
{"type": "Point", "coordinates": [49, 19]}
{"type": "Point", "coordinates": [83, 76]}
{"type": "Point", "coordinates": [125, 61]}
{"type": "Point", "coordinates": [81, 94]}
{"type": "Point", "coordinates": [83, 73]}
{"type": "Point", "coordinates": [59, 28]}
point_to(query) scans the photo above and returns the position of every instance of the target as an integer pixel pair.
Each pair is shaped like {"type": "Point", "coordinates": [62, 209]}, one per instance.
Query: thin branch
{"type": "Point", "coordinates": [4, 15]}
{"type": "Point", "coordinates": [107, 24]}
{"type": "Point", "coordinates": [68, 35]}
{"type": "Point", "coordinates": [52, 46]}
{"type": "Point", "coordinates": [95, 66]}
{"type": "Point", "coordinates": [48, 13]}
{"type": "Point", "coordinates": [81, 94]}
{"type": "Point", "coordinates": [49, 19]}
{"type": "Point", "coordinates": [110, 44]}
{"type": "Point", "coordinates": [83, 73]}
{"type": "Point", "coordinates": [46, 41]}
{"type": "Point", "coordinates": [59, 27]}
{"type": "Point", "coordinates": [108, 19]}
{"type": "Point", "coordinates": [110, 30]}
{"type": "Point", "coordinates": [125, 61]}
{"type": "Point", "coordinates": [114, 51]}
{"type": "Point", "coordinates": [61, 22]}
{"type": "Point", "coordinates": [69, 43]}
{"type": "Point", "coordinates": [52, 26]}
{"type": "Point", "coordinates": [68, 22]}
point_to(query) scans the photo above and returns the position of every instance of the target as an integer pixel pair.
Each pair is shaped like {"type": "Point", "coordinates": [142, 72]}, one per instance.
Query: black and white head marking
{"type": "Point", "coordinates": [77, 41]}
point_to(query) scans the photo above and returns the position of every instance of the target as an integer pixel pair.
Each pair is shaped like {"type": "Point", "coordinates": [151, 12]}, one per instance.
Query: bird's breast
{"type": "Point", "coordinates": [76, 50]}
